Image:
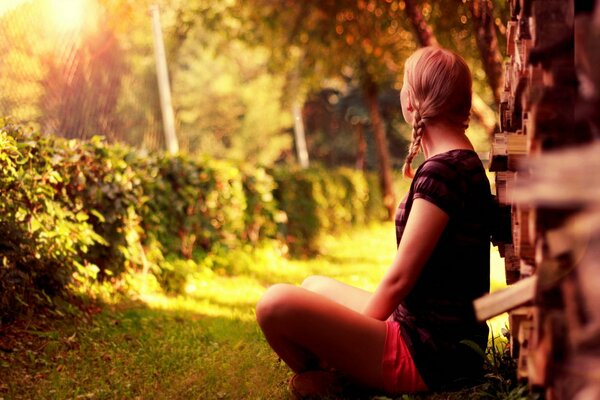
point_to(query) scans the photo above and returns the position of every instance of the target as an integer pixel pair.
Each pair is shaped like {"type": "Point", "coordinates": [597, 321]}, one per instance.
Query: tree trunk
{"type": "Point", "coordinates": [361, 149]}
{"type": "Point", "coordinates": [385, 170]}
{"type": "Point", "coordinates": [487, 43]}
{"type": "Point", "coordinates": [425, 37]}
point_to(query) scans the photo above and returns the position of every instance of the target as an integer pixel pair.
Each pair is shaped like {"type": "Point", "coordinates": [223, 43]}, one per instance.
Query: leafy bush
{"type": "Point", "coordinates": [43, 233]}
{"type": "Point", "coordinates": [318, 202]}
{"type": "Point", "coordinates": [77, 211]}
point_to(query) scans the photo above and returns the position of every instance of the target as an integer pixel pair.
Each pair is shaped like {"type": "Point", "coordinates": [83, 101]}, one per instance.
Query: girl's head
{"type": "Point", "coordinates": [436, 89]}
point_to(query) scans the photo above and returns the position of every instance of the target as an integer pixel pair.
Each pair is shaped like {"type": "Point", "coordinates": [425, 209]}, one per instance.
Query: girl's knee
{"type": "Point", "coordinates": [273, 303]}
{"type": "Point", "coordinates": [313, 283]}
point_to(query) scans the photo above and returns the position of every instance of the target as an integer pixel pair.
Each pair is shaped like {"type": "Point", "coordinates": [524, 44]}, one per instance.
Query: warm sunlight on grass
{"type": "Point", "coordinates": [203, 344]}
{"type": "Point", "coordinates": [359, 258]}
{"type": "Point", "coordinates": [497, 282]}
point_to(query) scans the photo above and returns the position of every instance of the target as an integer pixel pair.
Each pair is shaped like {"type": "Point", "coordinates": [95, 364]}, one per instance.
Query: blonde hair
{"type": "Point", "coordinates": [438, 83]}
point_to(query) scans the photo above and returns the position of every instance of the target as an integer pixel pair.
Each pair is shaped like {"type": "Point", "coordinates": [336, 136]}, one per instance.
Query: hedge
{"type": "Point", "coordinates": [75, 211]}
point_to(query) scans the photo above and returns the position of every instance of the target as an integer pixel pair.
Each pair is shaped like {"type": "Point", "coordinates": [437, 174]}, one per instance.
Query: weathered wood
{"type": "Point", "coordinates": [512, 264]}
{"type": "Point", "coordinates": [516, 147]}
{"type": "Point", "coordinates": [505, 300]}
{"type": "Point", "coordinates": [499, 153]}
{"type": "Point", "coordinates": [547, 163]}
{"type": "Point", "coordinates": [563, 179]}
{"type": "Point", "coordinates": [554, 20]}
{"type": "Point", "coordinates": [515, 318]}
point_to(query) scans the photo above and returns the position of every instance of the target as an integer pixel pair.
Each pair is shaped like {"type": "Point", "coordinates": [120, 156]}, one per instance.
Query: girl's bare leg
{"type": "Point", "coordinates": [302, 326]}
{"type": "Point", "coordinates": [349, 296]}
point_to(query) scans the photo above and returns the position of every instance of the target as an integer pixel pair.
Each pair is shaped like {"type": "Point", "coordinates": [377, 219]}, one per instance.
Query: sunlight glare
{"type": "Point", "coordinates": [8, 5]}
{"type": "Point", "coordinates": [70, 15]}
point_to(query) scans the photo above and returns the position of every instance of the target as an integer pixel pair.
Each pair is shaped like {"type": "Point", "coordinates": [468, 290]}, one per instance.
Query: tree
{"type": "Point", "coordinates": [226, 100]}
{"type": "Point", "coordinates": [363, 40]}
{"type": "Point", "coordinates": [425, 37]}
{"type": "Point", "coordinates": [487, 42]}
{"type": "Point", "coordinates": [81, 94]}
{"type": "Point", "coordinates": [338, 127]}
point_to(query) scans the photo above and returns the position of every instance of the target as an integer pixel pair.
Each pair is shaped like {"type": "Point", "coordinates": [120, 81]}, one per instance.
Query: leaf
{"type": "Point", "coordinates": [473, 346]}
{"type": "Point", "coordinates": [98, 215]}
{"type": "Point", "coordinates": [34, 224]}
{"type": "Point", "coordinates": [81, 216]}
{"type": "Point", "coordinates": [55, 177]}
{"type": "Point", "coordinates": [21, 214]}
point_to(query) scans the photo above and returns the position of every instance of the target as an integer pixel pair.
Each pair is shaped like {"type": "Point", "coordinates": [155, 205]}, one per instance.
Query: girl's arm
{"type": "Point", "coordinates": [425, 225]}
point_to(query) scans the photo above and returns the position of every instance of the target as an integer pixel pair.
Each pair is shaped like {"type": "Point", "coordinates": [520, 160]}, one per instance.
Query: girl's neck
{"type": "Point", "coordinates": [440, 138]}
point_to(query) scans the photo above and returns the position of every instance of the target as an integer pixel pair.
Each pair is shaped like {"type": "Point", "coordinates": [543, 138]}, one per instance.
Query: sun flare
{"type": "Point", "coordinates": [70, 15]}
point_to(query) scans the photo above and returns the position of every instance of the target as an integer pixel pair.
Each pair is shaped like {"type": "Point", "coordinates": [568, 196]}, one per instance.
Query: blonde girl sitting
{"type": "Point", "coordinates": [417, 331]}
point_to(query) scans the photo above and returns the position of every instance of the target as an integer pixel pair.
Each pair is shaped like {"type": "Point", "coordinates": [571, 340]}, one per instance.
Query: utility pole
{"type": "Point", "coordinates": [164, 87]}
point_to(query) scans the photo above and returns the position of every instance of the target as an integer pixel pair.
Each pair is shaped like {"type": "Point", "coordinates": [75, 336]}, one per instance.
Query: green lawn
{"type": "Point", "coordinates": [204, 345]}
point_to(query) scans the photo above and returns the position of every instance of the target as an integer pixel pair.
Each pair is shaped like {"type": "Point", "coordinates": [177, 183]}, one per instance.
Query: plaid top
{"type": "Point", "coordinates": [437, 317]}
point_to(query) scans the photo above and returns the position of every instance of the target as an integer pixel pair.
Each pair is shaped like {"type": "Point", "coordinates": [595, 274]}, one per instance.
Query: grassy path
{"type": "Point", "coordinates": [204, 345]}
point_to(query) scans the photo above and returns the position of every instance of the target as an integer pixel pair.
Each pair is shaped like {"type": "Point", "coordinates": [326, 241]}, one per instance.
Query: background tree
{"type": "Point", "coordinates": [237, 66]}
{"type": "Point", "coordinates": [94, 67]}
{"type": "Point", "coordinates": [362, 40]}
{"type": "Point", "coordinates": [484, 26]}
{"type": "Point", "coordinates": [426, 37]}
{"type": "Point", "coordinates": [338, 127]}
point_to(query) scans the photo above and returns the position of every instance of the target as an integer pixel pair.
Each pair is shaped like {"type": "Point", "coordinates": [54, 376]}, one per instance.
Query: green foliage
{"type": "Point", "coordinates": [262, 212]}
{"type": "Point", "coordinates": [44, 232]}
{"type": "Point", "coordinates": [77, 212]}
{"type": "Point", "coordinates": [228, 104]}
{"type": "Point", "coordinates": [318, 203]}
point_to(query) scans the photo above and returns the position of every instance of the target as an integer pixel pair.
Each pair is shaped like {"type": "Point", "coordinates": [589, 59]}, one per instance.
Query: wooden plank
{"type": "Point", "coordinates": [526, 269]}
{"type": "Point", "coordinates": [523, 335]}
{"type": "Point", "coordinates": [568, 178]}
{"type": "Point", "coordinates": [559, 242]}
{"type": "Point", "coordinates": [540, 350]}
{"type": "Point", "coordinates": [507, 299]}
{"type": "Point", "coordinates": [511, 34]}
{"type": "Point", "coordinates": [515, 318]}
{"type": "Point", "coordinates": [512, 265]}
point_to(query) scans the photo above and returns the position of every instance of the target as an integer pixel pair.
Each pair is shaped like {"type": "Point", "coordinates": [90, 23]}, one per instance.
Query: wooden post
{"type": "Point", "coordinates": [164, 88]}
{"type": "Point", "coordinates": [299, 136]}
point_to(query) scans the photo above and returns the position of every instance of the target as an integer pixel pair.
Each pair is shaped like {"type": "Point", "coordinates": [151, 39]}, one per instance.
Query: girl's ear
{"type": "Point", "coordinates": [409, 103]}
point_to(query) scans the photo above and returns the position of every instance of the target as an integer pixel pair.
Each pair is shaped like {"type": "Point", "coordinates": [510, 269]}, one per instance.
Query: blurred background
{"type": "Point", "coordinates": [244, 75]}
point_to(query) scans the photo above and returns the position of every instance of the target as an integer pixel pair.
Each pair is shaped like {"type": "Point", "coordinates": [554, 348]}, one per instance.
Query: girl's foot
{"type": "Point", "coordinates": [316, 384]}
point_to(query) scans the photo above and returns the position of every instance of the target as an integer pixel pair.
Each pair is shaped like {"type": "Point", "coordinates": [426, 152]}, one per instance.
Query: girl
{"type": "Point", "coordinates": [417, 331]}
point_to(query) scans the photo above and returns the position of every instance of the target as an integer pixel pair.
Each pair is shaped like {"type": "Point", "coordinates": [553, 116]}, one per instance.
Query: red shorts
{"type": "Point", "coordinates": [400, 374]}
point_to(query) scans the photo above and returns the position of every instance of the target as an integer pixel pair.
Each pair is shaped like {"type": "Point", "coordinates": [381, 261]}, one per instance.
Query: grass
{"type": "Point", "coordinates": [201, 345]}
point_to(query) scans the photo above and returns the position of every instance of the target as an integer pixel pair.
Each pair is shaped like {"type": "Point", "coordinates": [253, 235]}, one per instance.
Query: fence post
{"type": "Point", "coordinates": [164, 88]}
{"type": "Point", "coordinates": [299, 135]}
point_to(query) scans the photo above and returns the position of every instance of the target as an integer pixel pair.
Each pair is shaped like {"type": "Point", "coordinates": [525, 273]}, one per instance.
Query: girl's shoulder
{"type": "Point", "coordinates": [451, 179]}
{"type": "Point", "coordinates": [451, 164]}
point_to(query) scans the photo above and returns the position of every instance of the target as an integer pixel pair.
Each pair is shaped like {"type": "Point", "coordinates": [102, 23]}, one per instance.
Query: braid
{"type": "Point", "coordinates": [415, 144]}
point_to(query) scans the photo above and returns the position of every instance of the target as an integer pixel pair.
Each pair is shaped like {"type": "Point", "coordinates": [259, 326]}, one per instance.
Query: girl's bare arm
{"type": "Point", "coordinates": [425, 224]}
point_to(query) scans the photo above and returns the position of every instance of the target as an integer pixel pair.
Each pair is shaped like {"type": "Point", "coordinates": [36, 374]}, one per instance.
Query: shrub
{"type": "Point", "coordinates": [86, 211]}
{"type": "Point", "coordinates": [317, 202]}
{"type": "Point", "coordinates": [43, 233]}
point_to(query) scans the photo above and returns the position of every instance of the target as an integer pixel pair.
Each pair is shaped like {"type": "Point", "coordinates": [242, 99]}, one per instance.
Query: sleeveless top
{"type": "Point", "coordinates": [437, 316]}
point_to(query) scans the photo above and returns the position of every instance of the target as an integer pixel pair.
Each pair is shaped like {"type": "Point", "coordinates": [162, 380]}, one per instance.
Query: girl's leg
{"type": "Point", "coordinates": [349, 296]}
{"type": "Point", "coordinates": [302, 326]}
